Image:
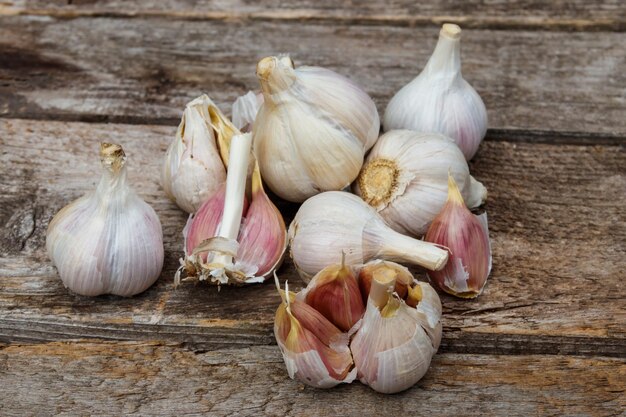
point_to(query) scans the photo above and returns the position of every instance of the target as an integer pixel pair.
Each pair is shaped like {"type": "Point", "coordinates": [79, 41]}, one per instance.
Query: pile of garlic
{"type": "Point", "coordinates": [313, 136]}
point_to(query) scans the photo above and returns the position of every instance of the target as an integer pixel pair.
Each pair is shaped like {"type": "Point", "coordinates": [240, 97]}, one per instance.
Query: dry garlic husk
{"type": "Point", "coordinates": [440, 100]}
{"type": "Point", "coordinates": [194, 168]}
{"type": "Point", "coordinates": [395, 342]}
{"type": "Point", "coordinates": [233, 239]}
{"type": "Point", "coordinates": [245, 109]}
{"type": "Point", "coordinates": [108, 241]}
{"type": "Point", "coordinates": [336, 221]}
{"type": "Point", "coordinates": [467, 238]}
{"type": "Point", "coordinates": [405, 178]}
{"type": "Point", "coordinates": [313, 129]}
{"type": "Point", "coordinates": [315, 351]}
{"type": "Point", "coordinates": [334, 292]}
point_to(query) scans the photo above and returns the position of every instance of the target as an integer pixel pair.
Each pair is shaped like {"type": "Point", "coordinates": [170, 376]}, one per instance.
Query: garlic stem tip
{"type": "Point", "coordinates": [265, 67]}
{"type": "Point", "coordinates": [451, 30]}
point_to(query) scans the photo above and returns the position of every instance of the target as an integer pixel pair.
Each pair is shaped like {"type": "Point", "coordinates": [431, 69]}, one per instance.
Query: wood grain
{"type": "Point", "coordinates": [517, 14]}
{"type": "Point", "coordinates": [556, 286]}
{"type": "Point", "coordinates": [163, 379]}
{"type": "Point", "coordinates": [144, 70]}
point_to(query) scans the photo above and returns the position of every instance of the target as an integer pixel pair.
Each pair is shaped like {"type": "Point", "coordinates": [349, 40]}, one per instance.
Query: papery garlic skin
{"type": "Point", "coordinates": [440, 100]}
{"type": "Point", "coordinates": [313, 129]}
{"type": "Point", "coordinates": [336, 221]}
{"type": "Point", "coordinates": [395, 343]}
{"type": "Point", "coordinates": [405, 178]}
{"type": "Point", "coordinates": [193, 168]}
{"type": "Point", "coordinates": [109, 241]}
{"type": "Point", "coordinates": [467, 238]}
{"type": "Point", "coordinates": [315, 351]}
{"type": "Point", "coordinates": [245, 109]}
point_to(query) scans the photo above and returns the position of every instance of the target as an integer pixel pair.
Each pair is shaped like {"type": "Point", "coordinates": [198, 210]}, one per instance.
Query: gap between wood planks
{"type": "Point", "coordinates": [328, 17]}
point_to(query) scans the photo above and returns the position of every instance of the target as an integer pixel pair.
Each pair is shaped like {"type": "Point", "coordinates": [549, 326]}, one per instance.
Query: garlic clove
{"type": "Point", "coordinates": [108, 241]}
{"type": "Point", "coordinates": [245, 109]}
{"type": "Point", "coordinates": [335, 221]}
{"type": "Point", "coordinates": [395, 343]}
{"type": "Point", "coordinates": [314, 350]}
{"type": "Point", "coordinates": [193, 169]}
{"type": "Point", "coordinates": [440, 100]}
{"type": "Point", "coordinates": [405, 178]}
{"type": "Point", "coordinates": [467, 238]}
{"type": "Point", "coordinates": [313, 129]}
{"type": "Point", "coordinates": [334, 292]}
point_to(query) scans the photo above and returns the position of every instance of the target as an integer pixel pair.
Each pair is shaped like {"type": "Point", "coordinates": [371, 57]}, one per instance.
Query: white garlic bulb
{"type": "Point", "coordinates": [109, 241]}
{"type": "Point", "coordinates": [395, 343]}
{"type": "Point", "coordinates": [440, 100]}
{"type": "Point", "coordinates": [336, 221]}
{"type": "Point", "coordinates": [405, 178]}
{"type": "Point", "coordinates": [193, 168]}
{"type": "Point", "coordinates": [312, 130]}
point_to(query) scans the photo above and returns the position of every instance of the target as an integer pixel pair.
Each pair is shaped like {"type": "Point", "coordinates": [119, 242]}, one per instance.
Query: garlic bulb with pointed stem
{"type": "Point", "coordinates": [193, 168]}
{"type": "Point", "coordinates": [233, 239]}
{"type": "Point", "coordinates": [314, 350]}
{"type": "Point", "coordinates": [405, 178]}
{"type": "Point", "coordinates": [395, 342]}
{"type": "Point", "coordinates": [109, 241]}
{"type": "Point", "coordinates": [467, 238]}
{"type": "Point", "coordinates": [439, 99]}
{"type": "Point", "coordinates": [313, 129]}
{"type": "Point", "coordinates": [336, 221]}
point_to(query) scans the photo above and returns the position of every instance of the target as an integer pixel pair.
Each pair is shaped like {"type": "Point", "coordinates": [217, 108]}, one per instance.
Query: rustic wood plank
{"type": "Point", "coordinates": [144, 70]}
{"type": "Point", "coordinates": [162, 379]}
{"type": "Point", "coordinates": [557, 223]}
{"type": "Point", "coordinates": [517, 14]}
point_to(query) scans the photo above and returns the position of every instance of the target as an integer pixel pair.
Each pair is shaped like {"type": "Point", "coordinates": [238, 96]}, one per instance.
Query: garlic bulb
{"type": "Point", "coordinates": [314, 350]}
{"type": "Point", "coordinates": [312, 130]}
{"type": "Point", "coordinates": [395, 342]}
{"type": "Point", "coordinates": [108, 241]}
{"type": "Point", "coordinates": [245, 109]}
{"type": "Point", "coordinates": [334, 292]}
{"type": "Point", "coordinates": [405, 178]}
{"type": "Point", "coordinates": [336, 221]}
{"type": "Point", "coordinates": [467, 238]}
{"type": "Point", "coordinates": [440, 100]}
{"type": "Point", "coordinates": [233, 239]}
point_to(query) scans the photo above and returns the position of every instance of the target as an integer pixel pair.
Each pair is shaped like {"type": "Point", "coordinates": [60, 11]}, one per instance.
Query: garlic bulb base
{"type": "Point", "coordinates": [378, 182]}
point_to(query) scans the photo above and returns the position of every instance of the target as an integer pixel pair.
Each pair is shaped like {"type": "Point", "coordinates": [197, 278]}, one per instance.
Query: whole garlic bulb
{"type": "Point", "coordinates": [336, 221]}
{"type": "Point", "coordinates": [405, 178]}
{"type": "Point", "coordinates": [395, 343]}
{"type": "Point", "coordinates": [109, 241]}
{"type": "Point", "coordinates": [193, 169]}
{"type": "Point", "coordinates": [312, 130]}
{"type": "Point", "coordinates": [440, 100]}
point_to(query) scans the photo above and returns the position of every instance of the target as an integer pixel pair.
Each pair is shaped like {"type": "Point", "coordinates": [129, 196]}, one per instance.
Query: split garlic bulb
{"type": "Point", "coordinates": [109, 241]}
{"type": "Point", "coordinates": [467, 238]}
{"type": "Point", "coordinates": [405, 178]}
{"type": "Point", "coordinates": [440, 100]}
{"type": "Point", "coordinates": [193, 168]}
{"type": "Point", "coordinates": [312, 130]}
{"type": "Point", "coordinates": [336, 221]}
{"type": "Point", "coordinates": [395, 342]}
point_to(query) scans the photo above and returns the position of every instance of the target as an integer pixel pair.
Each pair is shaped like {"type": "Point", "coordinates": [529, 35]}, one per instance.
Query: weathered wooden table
{"type": "Point", "coordinates": [548, 336]}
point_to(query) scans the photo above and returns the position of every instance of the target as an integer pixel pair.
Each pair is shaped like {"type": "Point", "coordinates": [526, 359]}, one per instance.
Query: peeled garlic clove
{"type": "Point", "coordinates": [109, 241]}
{"type": "Point", "coordinates": [334, 292]}
{"type": "Point", "coordinates": [314, 350]}
{"type": "Point", "coordinates": [193, 168]}
{"type": "Point", "coordinates": [336, 221]}
{"type": "Point", "coordinates": [395, 343]}
{"type": "Point", "coordinates": [405, 178]}
{"type": "Point", "coordinates": [467, 237]}
{"type": "Point", "coordinates": [440, 100]}
{"type": "Point", "coordinates": [230, 241]}
{"type": "Point", "coordinates": [312, 130]}
{"type": "Point", "coordinates": [404, 278]}
{"type": "Point", "coordinates": [245, 109]}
